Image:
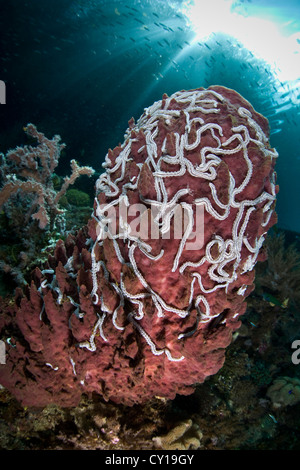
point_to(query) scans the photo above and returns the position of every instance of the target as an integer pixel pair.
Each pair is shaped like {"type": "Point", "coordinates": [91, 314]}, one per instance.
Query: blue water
{"type": "Point", "coordinates": [83, 68]}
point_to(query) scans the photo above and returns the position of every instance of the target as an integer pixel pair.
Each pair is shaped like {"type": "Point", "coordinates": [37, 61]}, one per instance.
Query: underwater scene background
{"type": "Point", "coordinates": [82, 69]}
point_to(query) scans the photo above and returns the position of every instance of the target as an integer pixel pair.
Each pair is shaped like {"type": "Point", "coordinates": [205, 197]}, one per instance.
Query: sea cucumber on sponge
{"type": "Point", "coordinates": [134, 314]}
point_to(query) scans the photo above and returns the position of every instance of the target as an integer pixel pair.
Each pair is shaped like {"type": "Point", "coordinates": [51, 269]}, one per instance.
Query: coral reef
{"type": "Point", "coordinates": [30, 202]}
{"type": "Point", "coordinates": [77, 197]}
{"type": "Point", "coordinates": [132, 315]}
{"type": "Point", "coordinates": [284, 391]}
{"type": "Point", "coordinates": [92, 425]}
{"type": "Point", "coordinates": [184, 436]}
{"type": "Point", "coordinates": [231, 408]}
{"type": "Point", "coordinates": [281, 274]}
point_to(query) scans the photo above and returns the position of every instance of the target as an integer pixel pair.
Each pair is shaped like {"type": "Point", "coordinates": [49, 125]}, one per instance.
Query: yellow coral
{"type": "Point", "coordinates": [185, 435]}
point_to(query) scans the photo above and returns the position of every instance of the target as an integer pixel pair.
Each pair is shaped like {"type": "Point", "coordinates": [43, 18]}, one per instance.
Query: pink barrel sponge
{"type": "Point", "coordinates": [146, 302]}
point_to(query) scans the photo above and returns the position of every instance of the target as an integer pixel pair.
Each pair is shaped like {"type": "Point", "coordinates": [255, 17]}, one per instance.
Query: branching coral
{"type": "Point", "coordinates": [28, 197]}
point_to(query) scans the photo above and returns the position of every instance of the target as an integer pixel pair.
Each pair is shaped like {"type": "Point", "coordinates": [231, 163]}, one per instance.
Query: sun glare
{"type": "Point", "coordinates": [262, 37]}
